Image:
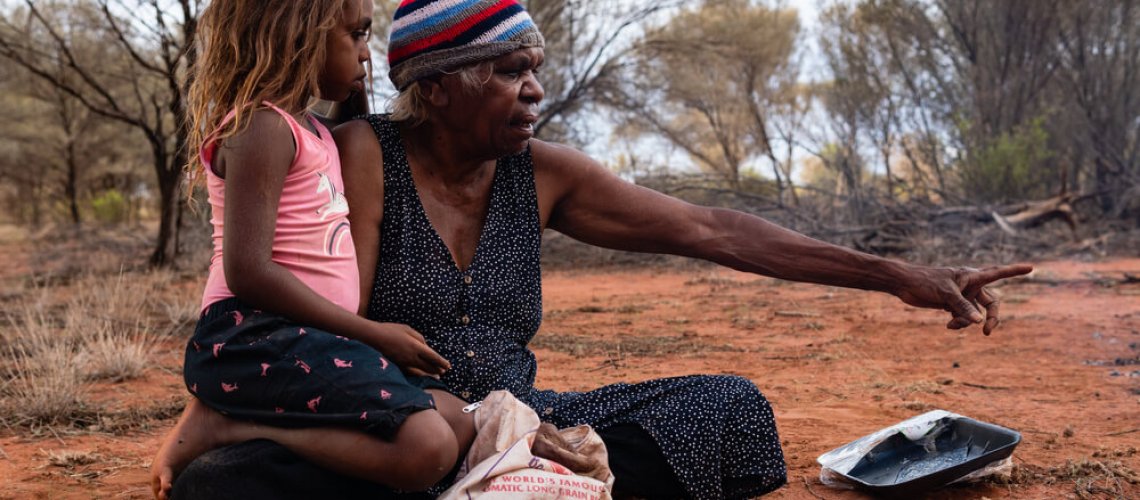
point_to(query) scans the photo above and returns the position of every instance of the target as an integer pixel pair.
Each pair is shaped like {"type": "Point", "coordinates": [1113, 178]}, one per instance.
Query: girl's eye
{"type": "Point", "coordinates": [362, 35]}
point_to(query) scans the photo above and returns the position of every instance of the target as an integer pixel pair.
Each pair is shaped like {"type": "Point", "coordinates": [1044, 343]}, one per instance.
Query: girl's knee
{"type": "Point", "coordinates": [428, 451]}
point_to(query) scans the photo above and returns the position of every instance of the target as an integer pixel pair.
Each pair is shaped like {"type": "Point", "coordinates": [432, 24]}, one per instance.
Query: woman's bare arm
{"type": "Point", "coordinates": [583, 200]}
{"type": "Point", "coordinates": [362, 167]}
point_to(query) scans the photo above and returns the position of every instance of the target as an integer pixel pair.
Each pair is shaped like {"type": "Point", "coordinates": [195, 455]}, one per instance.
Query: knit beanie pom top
{"type": "Point", "coordinates": [431, 36]}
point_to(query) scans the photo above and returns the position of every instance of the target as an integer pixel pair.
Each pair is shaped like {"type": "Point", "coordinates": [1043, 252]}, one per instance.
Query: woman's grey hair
{"type": "Point", "coordinates": [411, 104]}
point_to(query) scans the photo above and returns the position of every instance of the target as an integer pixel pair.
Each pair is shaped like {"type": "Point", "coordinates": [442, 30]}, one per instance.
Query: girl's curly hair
{"type": "Point", "coordinates": [252, 51]}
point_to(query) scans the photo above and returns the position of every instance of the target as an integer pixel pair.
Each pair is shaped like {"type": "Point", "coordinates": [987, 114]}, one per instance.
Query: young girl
{"type": "Point", "coordinates": [279, 352]}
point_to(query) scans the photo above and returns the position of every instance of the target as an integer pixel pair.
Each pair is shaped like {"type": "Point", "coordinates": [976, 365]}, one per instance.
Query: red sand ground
{"type": "Point", "coordinates": [836, 364]}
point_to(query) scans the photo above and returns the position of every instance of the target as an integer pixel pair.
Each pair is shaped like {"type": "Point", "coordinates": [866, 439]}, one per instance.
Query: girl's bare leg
{"type": "Point", "coordinates": [199, 429]}
{"type": "Point", "coordinates": [547, 443]}
{"type": "Point", "coordinates": [462, 424]}
{"type": "Point", "coordinates": [423, 452]}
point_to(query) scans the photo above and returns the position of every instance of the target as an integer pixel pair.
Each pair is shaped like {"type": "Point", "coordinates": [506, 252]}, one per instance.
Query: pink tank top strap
{"type": "Point", "coordinates": [209, 146]}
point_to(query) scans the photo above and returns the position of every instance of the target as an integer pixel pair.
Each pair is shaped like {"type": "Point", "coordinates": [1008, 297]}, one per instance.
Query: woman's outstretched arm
{"type": "Point", "coordinates": [583, 200]}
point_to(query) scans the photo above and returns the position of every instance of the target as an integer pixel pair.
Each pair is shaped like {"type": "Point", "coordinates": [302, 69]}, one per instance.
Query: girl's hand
{"type": "Point", "coordinates": [408, 349]}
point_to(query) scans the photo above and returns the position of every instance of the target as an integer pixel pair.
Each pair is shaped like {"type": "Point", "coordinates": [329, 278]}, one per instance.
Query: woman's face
{"type": "Point", "coordinates": [501, 119]}
{"type": "Point", "coordinates": [346, 50]}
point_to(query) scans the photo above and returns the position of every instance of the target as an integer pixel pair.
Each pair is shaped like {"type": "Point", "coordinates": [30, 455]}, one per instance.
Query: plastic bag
{"type": "Point", "coordinates": [836, 464]}
{"type": "Point", "coordinates": [500, 463]}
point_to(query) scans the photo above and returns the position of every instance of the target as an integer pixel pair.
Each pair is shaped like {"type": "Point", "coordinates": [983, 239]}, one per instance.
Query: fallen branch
{"type": "Point", "coordinates": [1121, 433]}
{"type": "Point", "coordinates": [1127, 279]}
{"type": "Point", "coordinates": [786, 358]}
{"type": "Point", "coordinates": [796, 314]}
{"type": "Point", "coordinates": [986, 387]}
{"type": "Point", "coordinates": [1036, 213]}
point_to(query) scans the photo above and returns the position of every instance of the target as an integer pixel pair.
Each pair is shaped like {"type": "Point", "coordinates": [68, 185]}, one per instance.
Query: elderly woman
{"type": "Point", "coordinates": [449, 196]}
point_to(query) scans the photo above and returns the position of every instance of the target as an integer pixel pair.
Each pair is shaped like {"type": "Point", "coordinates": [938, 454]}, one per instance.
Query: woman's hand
{"type": "Point", "coordinates": [549, 444]}
{"type": "Point", "coordinates": [408, 349]}
{"type": "Point", "coordinates": [960, 290]}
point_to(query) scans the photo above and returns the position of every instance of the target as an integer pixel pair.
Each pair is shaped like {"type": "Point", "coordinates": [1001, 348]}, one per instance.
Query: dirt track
{"type": "Point", "coordinates": [836, 364]}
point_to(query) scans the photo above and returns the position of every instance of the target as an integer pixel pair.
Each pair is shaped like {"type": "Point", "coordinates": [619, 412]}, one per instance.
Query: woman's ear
{"type": "Point", "coordinates": [434, 90]}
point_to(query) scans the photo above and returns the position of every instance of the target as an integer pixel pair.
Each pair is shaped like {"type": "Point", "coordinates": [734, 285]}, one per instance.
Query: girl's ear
{"type": "Point", "coordinates": [434, 91]}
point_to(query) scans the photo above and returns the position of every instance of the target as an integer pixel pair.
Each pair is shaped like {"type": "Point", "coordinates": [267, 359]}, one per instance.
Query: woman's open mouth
{"type": "Point", "coordinates": [525, 123]}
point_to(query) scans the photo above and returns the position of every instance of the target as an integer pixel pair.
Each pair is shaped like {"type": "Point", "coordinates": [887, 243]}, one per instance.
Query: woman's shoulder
{"type": "Point", "coordinates": [561, 170]}
{"type": "Point", "coordinates": [356, 142]}
{"type": "Point", "coordinates": [366, 128]}
{"type": "Point", "coordinates": [357, 130]}
{"type": "Point", "coordinates": [560, 160]}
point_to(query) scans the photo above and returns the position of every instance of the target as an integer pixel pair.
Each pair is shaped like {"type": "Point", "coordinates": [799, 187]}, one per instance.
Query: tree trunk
{"type": "Point", "coordinates": [887, 167]}
{"type": "Point", "coordinates": [1106, 185]}
{"type": "Point", "coordinates": [779, 180]}
{"type": "Point", "coordinates": [166, 248]}
{"type": "Point", "coordinates": [71, 187]}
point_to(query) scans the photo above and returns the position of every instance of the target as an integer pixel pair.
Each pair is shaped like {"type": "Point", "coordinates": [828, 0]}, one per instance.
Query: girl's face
{"type": "Point", "coordinates": [346, 51]}
{"type": "Point", "coordinates": [502, 117]}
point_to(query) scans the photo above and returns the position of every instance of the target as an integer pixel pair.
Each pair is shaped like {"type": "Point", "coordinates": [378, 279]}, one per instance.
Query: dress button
{"type": "Point", "coordinates": [467, 280]}
{"type": "Point", "coordinates": [465, 319]}
{"type": "Point", "coordinates": [548, 411]}
{"type": "Point", "coordinates": [470, 354]}
{"type": "Point", "coordinates": [465, 395]}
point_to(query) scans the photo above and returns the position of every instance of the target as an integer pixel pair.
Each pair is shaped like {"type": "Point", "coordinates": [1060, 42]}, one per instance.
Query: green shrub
{"type": "Point", "coordinates": [1011, 166]}
{"type": "Point", "coordinates": [110, 207]}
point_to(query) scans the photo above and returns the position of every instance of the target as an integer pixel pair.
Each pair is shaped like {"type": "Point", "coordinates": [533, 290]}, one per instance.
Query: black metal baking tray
{"type": "Point", "coordinates": [901, 468]}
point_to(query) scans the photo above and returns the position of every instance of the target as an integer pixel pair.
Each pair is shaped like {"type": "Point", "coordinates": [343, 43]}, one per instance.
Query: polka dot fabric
{"type": "Point", "coordinates": [717, 432]}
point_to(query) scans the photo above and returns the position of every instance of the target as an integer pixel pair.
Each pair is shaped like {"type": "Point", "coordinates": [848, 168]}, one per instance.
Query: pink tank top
{"type": "Point", "coordinates": [312, 239]}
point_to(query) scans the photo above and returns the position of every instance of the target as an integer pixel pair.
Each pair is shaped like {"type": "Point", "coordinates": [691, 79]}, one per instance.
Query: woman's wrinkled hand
{"type": "Point", "coordinates": [962, 291]}
{"type": "Point", "coordinates": [549, 444]}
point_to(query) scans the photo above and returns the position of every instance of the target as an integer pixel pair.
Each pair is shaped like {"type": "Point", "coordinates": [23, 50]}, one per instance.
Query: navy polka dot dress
{"type": "Point", "coordinates": [717, 432]}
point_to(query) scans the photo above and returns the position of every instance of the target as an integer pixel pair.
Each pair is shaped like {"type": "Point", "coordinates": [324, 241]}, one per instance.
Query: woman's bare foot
{"type": "Point", "coordinates": [199, 429]}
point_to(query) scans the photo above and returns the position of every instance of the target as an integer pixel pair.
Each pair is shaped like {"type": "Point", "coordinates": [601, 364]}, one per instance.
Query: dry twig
{"type": "Point", "coordinates": [1121, 433]}
{"type": "Point", "coordinates": [808, 486]}
{"type": "Point", "coordinates": [986, 387]}
{"type": "Point", "coordinates": [796, 314]}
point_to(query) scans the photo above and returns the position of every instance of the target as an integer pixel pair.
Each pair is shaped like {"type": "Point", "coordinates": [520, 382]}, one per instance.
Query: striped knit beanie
{"type": "Point", "coordinates": [431, 36]}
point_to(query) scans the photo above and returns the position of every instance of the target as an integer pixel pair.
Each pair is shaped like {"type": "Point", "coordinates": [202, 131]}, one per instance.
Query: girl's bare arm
{"type": "Point", "coordinates": [255, 163]}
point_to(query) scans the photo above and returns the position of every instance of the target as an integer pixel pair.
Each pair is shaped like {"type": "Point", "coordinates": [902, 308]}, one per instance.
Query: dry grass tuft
{"type": "Point", "coordinates": [70, 459]}
{"type": "Point", "coordinates": [63, 334]}
{"type": "Point", "coordinates": [85, 466]}
{"type": "Point", "coordinates": [116, 353]}
{"type": "Point", "coordinates": [181, 314]}
{"type": "Point", "coordinates": [121, 422]}
{"type": "Point", "coordinates": [42, 386]}
{"type": "Point", "coordinates": [916, 406]}
{"type": "Point", "coordinates": [1090, 478]}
